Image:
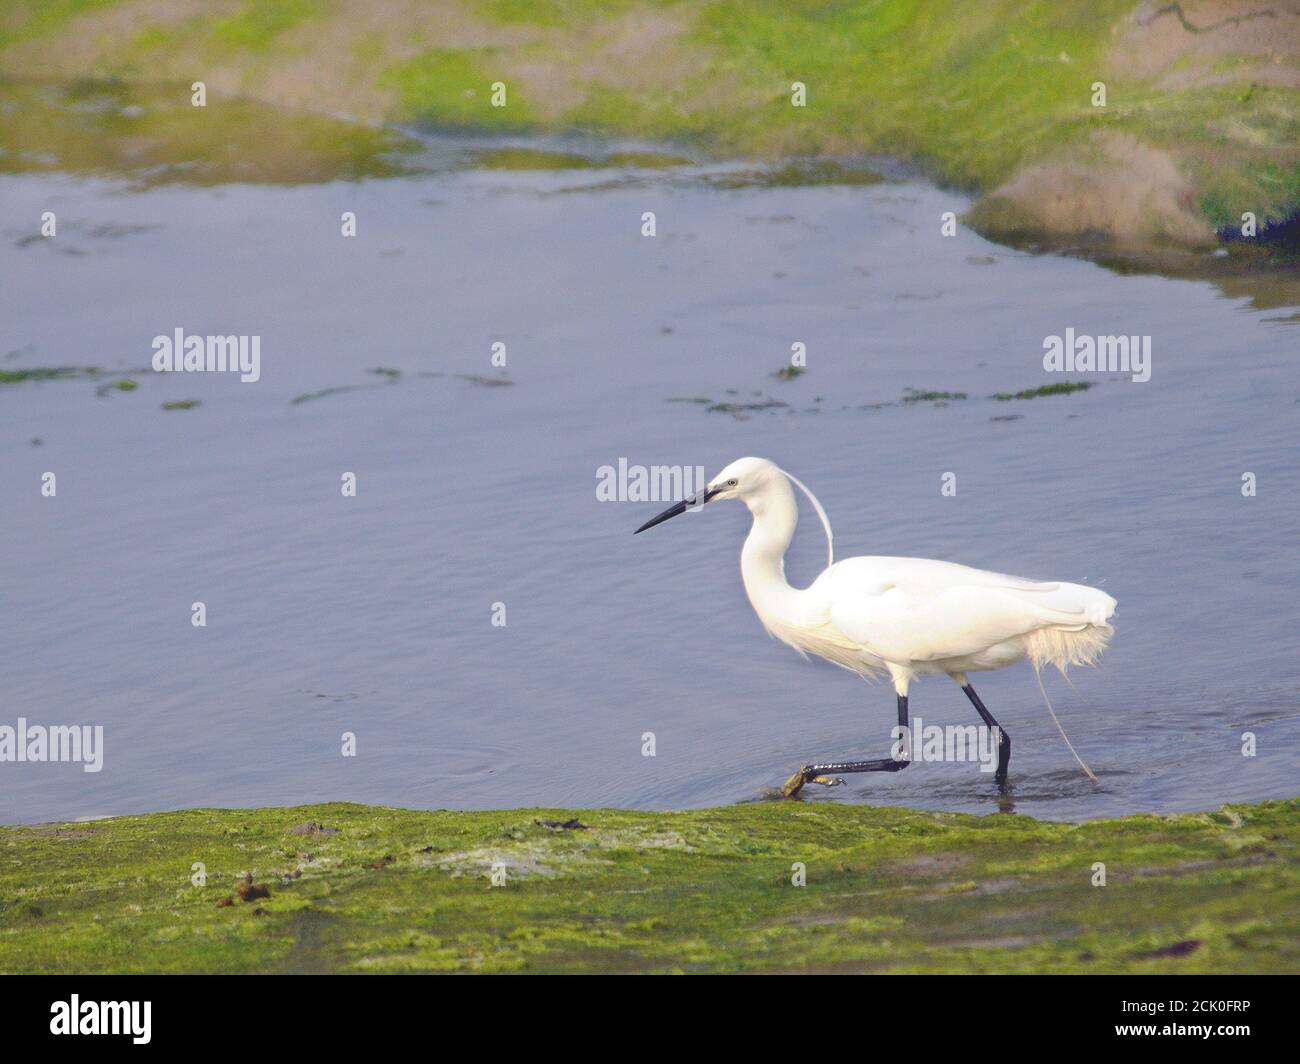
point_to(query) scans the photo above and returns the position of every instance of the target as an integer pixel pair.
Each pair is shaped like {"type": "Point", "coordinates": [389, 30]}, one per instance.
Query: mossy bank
{"type": "Point", "coordinates": [1137, 124]}
{"type": "Point", "coordinates": [351, 888]}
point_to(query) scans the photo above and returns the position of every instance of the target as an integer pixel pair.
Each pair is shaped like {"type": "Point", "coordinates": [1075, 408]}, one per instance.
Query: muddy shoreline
{"type": "Point", "coordinates": [142, 134]}
{"type": "Point", "coordinates": [1132, 129]}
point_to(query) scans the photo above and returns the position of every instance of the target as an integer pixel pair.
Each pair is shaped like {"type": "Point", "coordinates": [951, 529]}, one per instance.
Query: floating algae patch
{"type": "Point", "coordinates": [388, 375]}
{"type": "Point", "coordinates": [522, 158]}
{"type": "Point", "coordinates": [151, 135]}
{"type": "Point", "coordinates": [485, 382]}
{"type": "Point", "coordinates": [180, 404]}
{"type": "Point", "coordinates": [742, 410]}
{"type": "Point", "coordinates": [913, 395]}
{"type": "Point", "coordinates": [762, 403]}
{"type": "Point", "coordinates": [323, 393]}
{"type": "Point", "coordinates": [44, 373]}
{"type": "Point", "coordinates": [124, 383]}
{"type": "Point", "coordinates": [799, 173]}
{"type": "Point", "coordinates": [528, 159]}
{"type": "Point", "coordinates": [1060, 388]}
{"type": "Point", "coordinates": [644, 160]}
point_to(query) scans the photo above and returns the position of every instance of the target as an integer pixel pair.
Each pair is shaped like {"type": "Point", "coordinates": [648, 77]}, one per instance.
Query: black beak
{"type": "Point", "coordinates": [679, 508]}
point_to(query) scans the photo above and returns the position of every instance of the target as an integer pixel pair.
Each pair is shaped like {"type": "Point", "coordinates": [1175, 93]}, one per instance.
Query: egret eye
{"type": "Point", "coordinates": [732, 482]}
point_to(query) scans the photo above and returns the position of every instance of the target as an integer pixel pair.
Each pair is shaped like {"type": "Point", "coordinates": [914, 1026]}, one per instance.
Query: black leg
{"type": "Point", "coordinates": [1004, 740]}
{"type": "Point", "coordinates": [885, 764]}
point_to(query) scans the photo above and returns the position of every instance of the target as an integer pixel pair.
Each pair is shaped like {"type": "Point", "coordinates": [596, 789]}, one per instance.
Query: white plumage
{"type": "Point", "coordinates": [926, 616]}
{"type": "Point", "coordinates": [905, 617]}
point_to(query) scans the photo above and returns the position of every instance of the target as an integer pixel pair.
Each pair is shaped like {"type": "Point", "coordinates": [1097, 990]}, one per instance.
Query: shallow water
{"type": "Point", "coordinates": [373, 615]}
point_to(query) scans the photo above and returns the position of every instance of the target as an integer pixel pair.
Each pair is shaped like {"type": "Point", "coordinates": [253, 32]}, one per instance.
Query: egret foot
{"type": "Point", "coordinates": [804, 776]}
{"type": "Point", "coordinates": [795, 783]}
{"type": "Point", "coordinates": [813, 773]}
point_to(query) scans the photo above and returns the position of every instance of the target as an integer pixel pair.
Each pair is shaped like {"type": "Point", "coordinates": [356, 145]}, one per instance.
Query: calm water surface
{"type": "Point", "coordinates": [372, 615]}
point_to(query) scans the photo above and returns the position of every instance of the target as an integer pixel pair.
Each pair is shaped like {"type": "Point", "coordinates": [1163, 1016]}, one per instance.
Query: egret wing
{"type": "Point", "coordinates": [920, 610]}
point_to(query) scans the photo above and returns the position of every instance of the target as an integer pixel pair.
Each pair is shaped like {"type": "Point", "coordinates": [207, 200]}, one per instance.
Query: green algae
{"type": "Point", "coordinates": [517, 158]}
{"type": "Point", "coordinates": [43, 373]}
{"type": "Point", "coordinates": [913, 395]}
{"type": "Point", "coordinates": [453, 88]}
{"type": "Point", "coordinates": [257, 25]}
{"type": "Point", "coordinates": [365, 889]}
{"type": "Point", "coordinates": [743, 410]}
{"type": "Point", "coordinates": [120, 380]}
{"type": "Point", "coordinates": [151, 135]}
{"type": "Point", "coordinates": [1059, 388]}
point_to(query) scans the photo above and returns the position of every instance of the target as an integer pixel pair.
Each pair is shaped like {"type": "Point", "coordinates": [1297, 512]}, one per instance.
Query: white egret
{"type": "Point", "coordinates": [907, 617]}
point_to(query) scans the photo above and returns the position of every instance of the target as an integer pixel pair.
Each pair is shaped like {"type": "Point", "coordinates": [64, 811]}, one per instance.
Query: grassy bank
{"type": "Point", "coordinates": [1201, 121]}
{"type": "Point", "coordinates": [357, 888]}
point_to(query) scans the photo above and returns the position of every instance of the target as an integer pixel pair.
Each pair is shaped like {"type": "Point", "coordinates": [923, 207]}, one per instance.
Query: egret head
{"type": "Point", "coordinates": [743, 479]}
{"type": "Point", "coordinates": [761, 485]}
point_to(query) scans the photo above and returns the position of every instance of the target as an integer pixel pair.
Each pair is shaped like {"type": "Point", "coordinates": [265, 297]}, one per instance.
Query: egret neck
{"type": "Point", "coordinates": [762, 561]}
